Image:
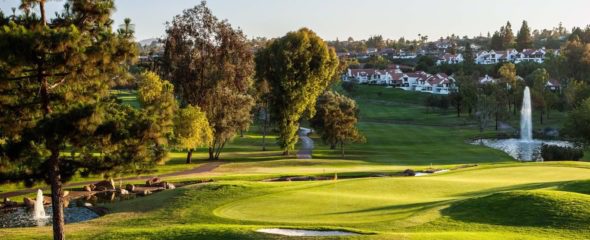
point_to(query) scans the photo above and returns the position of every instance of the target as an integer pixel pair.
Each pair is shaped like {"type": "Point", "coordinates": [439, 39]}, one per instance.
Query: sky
{"type": "Point", "coordinates": [359, 19]}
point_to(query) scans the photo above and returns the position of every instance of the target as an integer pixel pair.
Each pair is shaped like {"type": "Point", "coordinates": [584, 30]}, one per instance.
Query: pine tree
{"type": "Point", "coordinates": [507, 36]}
{"type": "Point", "coordinates": [54, 81]}
{"type": "Point", "coordinates": [524, 40]}
{"type": "Point", "coordinates": [497, 42]}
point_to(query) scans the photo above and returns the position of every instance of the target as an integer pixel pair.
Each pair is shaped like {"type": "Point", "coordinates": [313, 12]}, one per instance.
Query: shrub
{"type": "Point", "coordinates": [349, 87]}
{"type": "Point", "coordinates": [556, 153]}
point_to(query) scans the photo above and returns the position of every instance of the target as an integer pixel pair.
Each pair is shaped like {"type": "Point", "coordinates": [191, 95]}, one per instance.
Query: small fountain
{"type": "Point", "coordinates": [39, 209]}
{"type": "Point", "coordinates": [526, 148]}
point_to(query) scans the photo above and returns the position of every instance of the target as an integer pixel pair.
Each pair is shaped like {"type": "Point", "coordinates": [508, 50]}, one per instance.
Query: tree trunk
{"type": "Point", "coordinates": [241, 133]}
{"type": "Point", "coordinates": [496, 117]}
{"type": "Point", "coordinates": [342, 149]}
{"type": "Point", "coordinates": [541, 115]}
{"type": "Point", "coordinates": [264, 130]}
{"type": "Point", "coordinates": [458, 111]}
{"type": "Point", "coordinates": [211, 153]}
{"type": "Point", "coordinates": [189, 156]}
{"type": "Point", "coordinates": [56, 196]}
{"type": "Point", "coordinates": [42, 9]}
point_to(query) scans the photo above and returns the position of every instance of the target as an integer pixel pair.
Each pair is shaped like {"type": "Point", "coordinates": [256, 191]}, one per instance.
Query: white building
{"type": "Point", "coordinates": [448, 58]}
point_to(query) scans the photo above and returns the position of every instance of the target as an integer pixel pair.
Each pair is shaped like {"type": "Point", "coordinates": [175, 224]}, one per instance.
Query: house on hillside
{"type": "Point", "coordinates": [494, 57]}
{"type": "Point", "coordinates": [533, 55]}
{"type": "Point", "coordinates": [448, 58]}
{"type": "Point", "coordinates": [553, 85]}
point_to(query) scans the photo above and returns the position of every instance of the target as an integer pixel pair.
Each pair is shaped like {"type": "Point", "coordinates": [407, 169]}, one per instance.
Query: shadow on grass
{"type": "Point", "coordinates": [547, 209]}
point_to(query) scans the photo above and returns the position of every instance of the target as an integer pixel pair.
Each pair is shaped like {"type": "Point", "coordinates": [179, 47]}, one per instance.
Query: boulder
{"type": "Point", "coordinates": [108, 184]}
{"type": "Point", "coordinates": [29, 203]}
{"type": "Point", "coordinates": [144, 192]}
{"type": "Point", "coordinates": [170, 186]}
{"type": "Point", "coordinates": [409, 172]}
{"type": "Point", "coordinates": [153, 181]}
{"type": "Point", "coordinates": [123, 191]}
{"type": "Point", "coordinates": [130, 187]}
{"type": "Point", "coordinates": [10, 203]}
{"type": "Point", "coordinates": [87, 188]}
{"type": "Point", "coordinates": [66, 193]}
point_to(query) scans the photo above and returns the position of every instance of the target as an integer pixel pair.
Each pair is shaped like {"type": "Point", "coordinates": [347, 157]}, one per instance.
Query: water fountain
{"type": "Point", "coordinates": [526, 121]}
{"type": "Point", "coordinates": [39, 209]}
{"type": "Point", "coordinates": [526, 148]}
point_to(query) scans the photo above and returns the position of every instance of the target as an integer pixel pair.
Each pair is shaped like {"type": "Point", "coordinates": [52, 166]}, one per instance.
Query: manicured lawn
{"type": "Point", "coordinates": [497, 199]}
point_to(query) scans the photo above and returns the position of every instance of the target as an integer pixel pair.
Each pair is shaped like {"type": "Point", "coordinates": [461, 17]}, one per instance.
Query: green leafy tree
{"type": "Point", "coordinates": [376, 42]}
{"type": "Point", "coordinates": [156, 98]}
{"type": "Point", "coordinates": [467, 93]}
{"type": "Point", "coordinates": [575, 92]}
{"type": "Point", "coordinates": [524, 40]}
{"type": "Point", "coordinates": [192, 130]}
{"type": "Point", "coordinates": [54, 82]}
{"type": "Point", "coordinates": [336, 120]}
{"type": "Point", "coordinates": [508, 74]}
{"type": "Point", "coordinates": [211, 66]}
{"type": "Point", "coordinates": [537, 81]}
{"type": "Point", "coordinates": [577, 124]}
{"type": "Point", "coordinates": [577, 58]}
{"type": "Point", "coordinates": [299, 67]}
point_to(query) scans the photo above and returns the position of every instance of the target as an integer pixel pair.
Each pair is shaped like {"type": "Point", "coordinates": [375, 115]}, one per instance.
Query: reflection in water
{"type": "Point", "coordinates": [521, 150]}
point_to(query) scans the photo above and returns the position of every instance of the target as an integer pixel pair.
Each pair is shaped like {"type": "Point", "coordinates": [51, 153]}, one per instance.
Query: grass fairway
{"type": "Point", "coordinates": [497, 199]}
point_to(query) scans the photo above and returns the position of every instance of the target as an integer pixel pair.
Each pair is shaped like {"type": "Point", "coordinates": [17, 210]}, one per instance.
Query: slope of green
{"type": "Point", "coordinates": [526, 208]}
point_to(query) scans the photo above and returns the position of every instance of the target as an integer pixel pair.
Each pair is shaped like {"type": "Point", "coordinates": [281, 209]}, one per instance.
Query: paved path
{"type": "Point", "coordinates": [306, 144]}
{"type": "Point", "coordinates": [207, 167]}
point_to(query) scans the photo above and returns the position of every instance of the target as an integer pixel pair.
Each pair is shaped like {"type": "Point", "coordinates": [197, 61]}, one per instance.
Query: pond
{"type": "Point", "coordinates": [523, 150]}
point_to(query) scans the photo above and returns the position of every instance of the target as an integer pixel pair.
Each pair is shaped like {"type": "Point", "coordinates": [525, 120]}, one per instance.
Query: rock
{"type": "Point", "coordinates": [87, 204]}
{"type": "Point", "coordinates": [130, 187]}
{"type": "Point", "coordinates": [108, 184]}
{"type": "Point", "coordinates": [9, 203]}
{"type": "Point", "coordinates": [144, 192]}
{"type": "Point", "coordinates": [87, 188]}
{"type": "Point", "coordinates": [153, 181]}
{"type": "Point", "coordinates": [46, 200]}
{"type": "Point", "coordinates": [29, 203]}
{"type": "Point", "coordinates": [123, 192]}
{"type": "Point", "coordinates": [66, 202]}
{"type": "Point", "coordinates": [409, 172]}
{"type": "Point", "coordinates": [170, 186]}
{"type": "Point", "coordinates": [66, 193]}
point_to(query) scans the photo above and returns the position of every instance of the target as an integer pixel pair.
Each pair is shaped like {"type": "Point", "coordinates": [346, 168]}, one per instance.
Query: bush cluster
{"type": "Point", "coordinates": [557, 153]}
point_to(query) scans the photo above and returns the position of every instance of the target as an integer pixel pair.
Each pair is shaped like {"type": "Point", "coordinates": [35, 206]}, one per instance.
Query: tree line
{"type": "Point", "coordinates": [59, 116]}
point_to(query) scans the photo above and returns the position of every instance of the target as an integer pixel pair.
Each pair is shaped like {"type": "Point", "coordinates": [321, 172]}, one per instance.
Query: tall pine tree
{"type": "Point", "coordinates": [55, 76]}
{"type": "Point", "coordinates": [524, 39]}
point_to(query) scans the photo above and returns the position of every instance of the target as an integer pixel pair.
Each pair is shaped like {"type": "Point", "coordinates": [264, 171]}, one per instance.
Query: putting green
{"type": "Point", "coordinates": [387, 199]}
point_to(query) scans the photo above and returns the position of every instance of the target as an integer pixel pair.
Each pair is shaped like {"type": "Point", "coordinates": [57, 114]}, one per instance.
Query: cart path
{"type": "Point", "coordinates": [306, 144]}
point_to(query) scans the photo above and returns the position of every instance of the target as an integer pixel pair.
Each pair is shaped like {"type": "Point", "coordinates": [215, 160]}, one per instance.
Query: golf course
{"type": "Point", "coordinates": [481, 194]}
